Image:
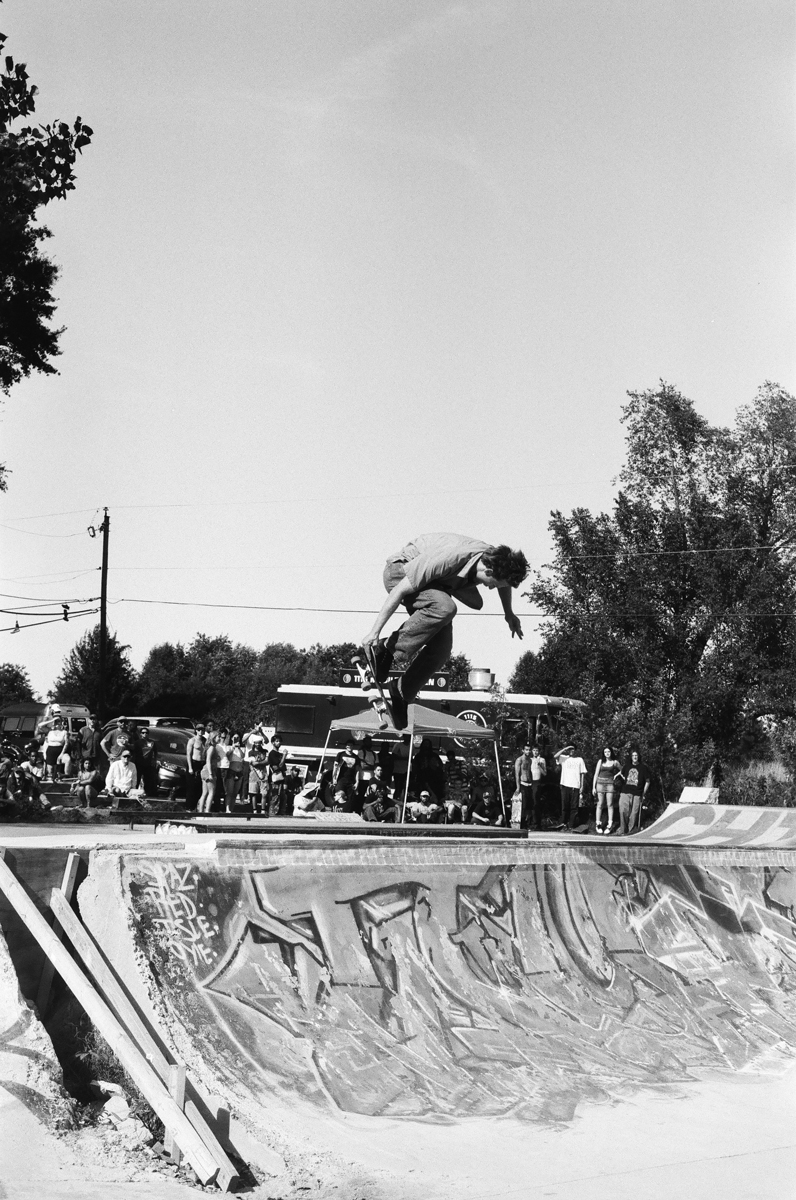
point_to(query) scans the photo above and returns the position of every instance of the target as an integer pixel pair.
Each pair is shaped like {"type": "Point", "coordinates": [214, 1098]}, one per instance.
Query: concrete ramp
{"type": "Point", "coordinates": [722, 825]}
{"type": "Point", "coordinates": [443, 982]}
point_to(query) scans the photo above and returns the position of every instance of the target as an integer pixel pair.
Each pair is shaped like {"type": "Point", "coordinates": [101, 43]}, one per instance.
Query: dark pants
{"type": "Point", "coordinates": [193, 786]}
{"type": "Point", "coordinates": [531, 804]}
{"type": "Point", "coordinates": [277, 796]}
{"type": "Point", "coordinates": [424, 642]}
{"type": "Point", "coordinates": [570, 803]}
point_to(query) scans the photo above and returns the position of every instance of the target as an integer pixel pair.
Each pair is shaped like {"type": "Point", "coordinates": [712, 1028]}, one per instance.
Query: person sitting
{"type": "Point", "coordinates": [308, 799]}
{"type": "Point", "coordinates": [34, 763]}
{"type": "Point", "coordinates": [88, 784]}
{"type": "Point", "coordinates": [487, 810]}
{"type": "Point", "coordinates": [21, 787]}
{"type": "Point", "coordinates": [342, 800]}
{"type": "Point", "coordinates": [377, 804]}
{"type": "Point", "coordinates": [122, 777]}
{"type": "Point", "coordinates": [427, 810]}
{"type": "Point", "coordinates": [455, 811]}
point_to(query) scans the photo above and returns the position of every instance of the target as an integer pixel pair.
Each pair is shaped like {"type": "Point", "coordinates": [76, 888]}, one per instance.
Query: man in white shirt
{"type": "Point", "coordinates": [122, 776]}
{"type": "Point", "coordinates": [573, 774]}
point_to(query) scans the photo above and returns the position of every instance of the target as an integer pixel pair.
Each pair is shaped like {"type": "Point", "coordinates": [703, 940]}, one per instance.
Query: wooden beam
{"type": "Point", "coordinates": [177, 1089]}
{"type": "Point", "coordinates": [47, 971]}
{"type": "Point", "coordinates": [126, 1012]}
{"type": "Point", "coordinates": [131, 1058]}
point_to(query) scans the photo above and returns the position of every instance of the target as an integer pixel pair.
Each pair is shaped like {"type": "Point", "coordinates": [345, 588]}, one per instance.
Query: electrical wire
{"type": "Point", "coordinates": [40, 603]}
{"type": "Point", "coordinates": [280, 607]}
{"type": "Point", "coordinates": [32, 624]}
{"type": "Point", "coordinates": [35, 533]}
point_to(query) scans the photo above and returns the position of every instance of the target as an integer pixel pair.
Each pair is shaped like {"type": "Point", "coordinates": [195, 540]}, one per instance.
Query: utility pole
{"type": "Point", "coordinates": [105, 527]}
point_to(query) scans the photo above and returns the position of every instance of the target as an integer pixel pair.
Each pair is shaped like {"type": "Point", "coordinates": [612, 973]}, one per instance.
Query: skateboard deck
{"type": "Point", "coordinates": [375, 692]}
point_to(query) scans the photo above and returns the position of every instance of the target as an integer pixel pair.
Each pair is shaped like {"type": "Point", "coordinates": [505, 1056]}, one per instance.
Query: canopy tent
{"type": "Point", "coordinates": [422, 722]}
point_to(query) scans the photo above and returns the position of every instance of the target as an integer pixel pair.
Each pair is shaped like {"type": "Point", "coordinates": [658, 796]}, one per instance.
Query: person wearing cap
{"type": "Point", "coordinates": [377, 803]}
{"type": "Point", "coordinates": [427, 576]}
{"type": "Point", "coordinates": [116, 740]}
{"type": "Point", "coordinates": [487, 809]}
{"type": "Point", "coordinates": [122, 776]}
{"type": "Point", "coordinates": [426, 810]}
{"type": "Point", "coordinates": [54, 746]}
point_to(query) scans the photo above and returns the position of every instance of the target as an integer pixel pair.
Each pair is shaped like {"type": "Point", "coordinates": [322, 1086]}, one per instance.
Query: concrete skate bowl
{"type": "Point", "coordinates": [438, 983]}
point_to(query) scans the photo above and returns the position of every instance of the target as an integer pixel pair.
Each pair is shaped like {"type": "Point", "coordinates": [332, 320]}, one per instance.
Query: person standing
{"type": "Point", "coordinates": [148, 757]}
{"type": "Point", "coordinates": [90, 740]}
{"type": "Point", "coordinates": [367, 765]}
{"type": "Point", "coordinates": [195, 758]}
{"type": "Point", "coordinates": [276, 760]}
{"type": "Point", "coordinates": [572, 783]}
{"type": "Point", "coordinates": [604, 787]}
{"type": "Point", "coordinates": [54, 746]}
{"type": "Point", "coordinates": [117, 740]}
{"type": "Point", "coordinates": [635, 783]}
{"type": "Point", "coordinates": [530, 770]}
{"type": "Point", "coordinates": [344, 778]}
{"type": "Point", "coordinates": [209, 773]}
{"type": "Point", "coordinates": [233, 776]}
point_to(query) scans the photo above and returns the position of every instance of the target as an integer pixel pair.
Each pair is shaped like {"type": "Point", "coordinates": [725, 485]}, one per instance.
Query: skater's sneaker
{"type": "Point", "coordinates": [379, 658]}
{"type": "Point", "coordinates": [398, 707]}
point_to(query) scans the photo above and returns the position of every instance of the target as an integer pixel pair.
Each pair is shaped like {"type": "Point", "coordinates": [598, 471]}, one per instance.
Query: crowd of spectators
{"type": "Point", "coordinates": [248, 772]}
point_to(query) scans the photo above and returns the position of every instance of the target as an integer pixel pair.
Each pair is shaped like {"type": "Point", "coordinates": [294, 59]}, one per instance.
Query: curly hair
{"type": "Point", "coordinates": [507, 564]}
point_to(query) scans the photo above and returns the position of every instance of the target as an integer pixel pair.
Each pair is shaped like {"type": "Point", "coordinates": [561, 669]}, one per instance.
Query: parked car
{"type": "Point", "coordinates": [172, 747]}
{"type": "Point", "coordinates": [153, 722]}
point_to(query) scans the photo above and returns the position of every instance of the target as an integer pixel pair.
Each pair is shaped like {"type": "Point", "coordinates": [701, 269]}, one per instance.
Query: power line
{"type": "Point", "coordinates": [17, 628]}
{"type": "Point", "coordinates": [40, 603]}
{"type": "Point", "coordinates": [35, 533]}
{"type": "Point", "coordinates": [324, 499]}
{"type": "Point", "coordinates": [656, 553]}
{"type": "Point", "coordinates": [283, 607]}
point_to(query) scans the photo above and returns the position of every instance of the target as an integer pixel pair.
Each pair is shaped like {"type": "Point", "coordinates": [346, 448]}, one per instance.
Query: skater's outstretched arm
{"type": "Point", "coordinates": [512, 620]}
{"type": "Point", "coordinates": [394, 600]}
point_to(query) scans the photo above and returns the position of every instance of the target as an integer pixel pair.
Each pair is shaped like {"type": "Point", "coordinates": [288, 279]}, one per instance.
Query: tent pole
{"type": "Point", "coordinates": [500, 784]}
{"type": "Point", "coordinates": [408, 773]}
{"type": "Point", "coordinates": [323, 756]}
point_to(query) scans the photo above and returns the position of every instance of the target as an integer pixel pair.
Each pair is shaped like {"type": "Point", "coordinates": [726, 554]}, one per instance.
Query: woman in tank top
{"type": "Point", "coordinates": [608, 767]}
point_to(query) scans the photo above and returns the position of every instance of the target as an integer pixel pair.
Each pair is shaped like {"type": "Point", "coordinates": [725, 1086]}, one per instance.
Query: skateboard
{"type": "Point", "coordinates": [375, 692]}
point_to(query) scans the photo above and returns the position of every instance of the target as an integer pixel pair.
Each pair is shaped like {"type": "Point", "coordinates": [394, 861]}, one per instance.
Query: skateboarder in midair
{"type": "Point", "coordinates": [427, 577]}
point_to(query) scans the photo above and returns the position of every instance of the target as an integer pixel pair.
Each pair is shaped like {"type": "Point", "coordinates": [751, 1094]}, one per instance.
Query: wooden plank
{"type": "Point", "coordinates": [131, 1058]}
{"type": "Point", "coordinates": [47, 971]}
{"type": "Point", "coordinates": [226, 1172]}
{"type": "Point", "coordinates": [113, 992]}
{"type": "Point", "coordinates": [177, 1089]}
{"type": "Point", "coordinates": [126, 1012]}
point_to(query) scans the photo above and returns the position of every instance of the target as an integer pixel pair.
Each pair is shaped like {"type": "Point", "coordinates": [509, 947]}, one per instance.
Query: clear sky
{"type": "Point", "coordinates": [337, 274]}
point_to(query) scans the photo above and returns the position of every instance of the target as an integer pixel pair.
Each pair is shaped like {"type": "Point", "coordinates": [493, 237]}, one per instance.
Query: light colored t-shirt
{"type": "Point", "coordinates": [572, 771]}
{"type": "Point", "coordinates": [443, 560]}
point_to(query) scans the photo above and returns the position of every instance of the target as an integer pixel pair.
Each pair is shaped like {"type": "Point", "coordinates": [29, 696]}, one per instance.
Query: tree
{"type": "Point", "coordinates": [15, 685]}
{"type": "Point", "coordinates": [458, 668]}
{"type": "Point", "coordinates": [78, 682]}
{"type": "Point", "coordinates": [673, 615]}
{"type": "Point", "coordinates": [36, 166]}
